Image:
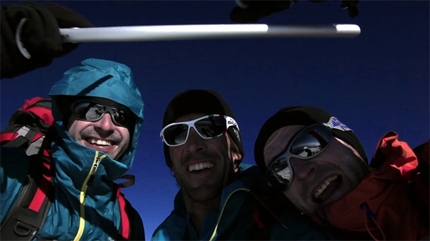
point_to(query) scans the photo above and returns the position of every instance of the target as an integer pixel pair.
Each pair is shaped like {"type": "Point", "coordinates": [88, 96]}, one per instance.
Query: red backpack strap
{"type": "Point", "coordinates": [28, 126]}
{"type": "Point", "coordinates": [131, 226]}
{"type": "Point", "coordinates": [40, 107]}
{"type": "Point", "coordinates": [44, 187]}
{"type": "Point", "coordinates": [124, 231]}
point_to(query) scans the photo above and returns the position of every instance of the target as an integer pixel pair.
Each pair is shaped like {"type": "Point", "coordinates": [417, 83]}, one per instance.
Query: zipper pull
{"type": "Point", "coordinates": [94, 168]}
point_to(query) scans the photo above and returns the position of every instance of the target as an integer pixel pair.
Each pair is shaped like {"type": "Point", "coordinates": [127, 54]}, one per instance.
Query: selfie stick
{"type": "Point", "coordinates": [204, 31]}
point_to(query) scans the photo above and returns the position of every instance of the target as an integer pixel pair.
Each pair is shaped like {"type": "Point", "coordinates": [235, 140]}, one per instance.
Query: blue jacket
{"type": "Point", "coordinates": [81, 211]}
{"type": "Point", "coordinates": [240, 217]}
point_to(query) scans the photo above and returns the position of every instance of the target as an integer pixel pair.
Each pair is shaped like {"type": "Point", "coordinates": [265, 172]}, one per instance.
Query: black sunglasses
{"type": "Point", "coordinates": [307, 143]}
{"type": "Point", "coordinates": [89, 110]}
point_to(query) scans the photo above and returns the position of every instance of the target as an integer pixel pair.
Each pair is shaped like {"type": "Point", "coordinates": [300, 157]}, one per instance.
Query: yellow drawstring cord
{"type": "Point", "coordinates": [222, 210]}
{"type": "Point", "coordinates": [258, 199]}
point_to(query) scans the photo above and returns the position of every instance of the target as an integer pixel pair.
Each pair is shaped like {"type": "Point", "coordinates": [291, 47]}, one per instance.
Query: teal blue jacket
{"type": "Point", "coordinates": [82, 210]}
{"type": "Point", "coordinates": [241, 216]}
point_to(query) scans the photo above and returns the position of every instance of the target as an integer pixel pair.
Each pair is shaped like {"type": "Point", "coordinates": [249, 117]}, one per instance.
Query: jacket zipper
{"type": "Point", "coordinates": [214, 234]}
{"type": "Point", "coordinates": [96, 162]}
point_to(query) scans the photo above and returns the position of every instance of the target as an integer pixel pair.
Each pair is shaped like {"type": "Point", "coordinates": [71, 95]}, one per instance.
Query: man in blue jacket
{"type": "Point", "coordinates": [98, 113]}
{"type": "Point", "coordinates": [219, 198]}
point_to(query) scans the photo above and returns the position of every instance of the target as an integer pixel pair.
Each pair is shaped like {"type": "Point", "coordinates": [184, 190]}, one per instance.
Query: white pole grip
{"type": "Point", "coordinates": [203, 31]}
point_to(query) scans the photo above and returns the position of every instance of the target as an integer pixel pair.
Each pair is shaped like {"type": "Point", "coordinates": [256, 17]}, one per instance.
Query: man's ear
{"type": "Point", "coordinates": [236, 156]}
{"type": "Point", "coordinates": [237, 159]}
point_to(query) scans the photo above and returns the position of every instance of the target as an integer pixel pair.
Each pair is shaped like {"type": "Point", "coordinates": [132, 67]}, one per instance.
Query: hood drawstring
{"type": "Point", "coordinates": [370, 215]}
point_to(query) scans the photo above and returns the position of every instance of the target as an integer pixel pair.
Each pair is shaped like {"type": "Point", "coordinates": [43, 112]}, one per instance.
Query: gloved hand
{"type": "Point", "coordinates": [249, 11]}
{"type": "Point", "coordinates": [39, 35]}
{"type": "Point", "coordinates": [351, 5]}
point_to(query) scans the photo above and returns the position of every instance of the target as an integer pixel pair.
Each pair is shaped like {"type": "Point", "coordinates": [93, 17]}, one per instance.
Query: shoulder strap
{"type": "Point", "coordinates": [23, 139]}
{"type": "Point", "coordinates": [29, 211]}
{"type": "Point", "coordinates": [131, 227]}
{"type": "Point", "coordinates": [129, 180]}
{"type": "Point", "coordinates": [31, 129]}
{"type": "Point", "coordinates": [124, 232]}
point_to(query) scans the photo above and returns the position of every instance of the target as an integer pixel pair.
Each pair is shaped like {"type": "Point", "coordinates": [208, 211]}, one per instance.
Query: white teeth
{"type": "Point", "coordinates": [200, 166]}
{"type": "Point", "coordinates": [324, 186]}
{"type": "Point", "coordinates": [100, 142]}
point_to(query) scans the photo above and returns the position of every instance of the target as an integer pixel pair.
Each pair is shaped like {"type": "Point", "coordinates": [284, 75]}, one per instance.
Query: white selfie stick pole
{"type": "Point", "coordinates": [204, 31]}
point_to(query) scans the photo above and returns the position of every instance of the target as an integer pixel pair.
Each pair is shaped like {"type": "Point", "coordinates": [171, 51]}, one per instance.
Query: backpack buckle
{"type": "Point", "coordinates": [24, 230]}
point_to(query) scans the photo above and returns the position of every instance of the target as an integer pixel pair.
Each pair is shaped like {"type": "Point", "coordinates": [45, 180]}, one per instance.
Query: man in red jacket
{"type": "Point", "coordinates": [319, 164]}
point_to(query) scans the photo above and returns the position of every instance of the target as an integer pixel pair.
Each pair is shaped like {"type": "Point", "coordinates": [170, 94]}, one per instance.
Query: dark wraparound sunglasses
{"type": "Point", "coordinates": [88, 110]}
{"type": "Point", "coordinates": [307, 143]}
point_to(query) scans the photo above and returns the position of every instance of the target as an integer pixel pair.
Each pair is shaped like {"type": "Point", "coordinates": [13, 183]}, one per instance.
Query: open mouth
{"type": "Point", "coordinates": [99, 142]}
{"type": "Point", "coordinates": [327, 188]}
{"type": "Point", "coordinates": [200, 166]}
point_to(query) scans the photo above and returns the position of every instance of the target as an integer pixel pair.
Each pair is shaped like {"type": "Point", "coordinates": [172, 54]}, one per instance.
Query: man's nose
{"type": "Point", "coordinates": [195, 142]}
{"type": "Point", "coordinates": [303, 169]}
{"type": "Point", "coordinates": [105, 123]}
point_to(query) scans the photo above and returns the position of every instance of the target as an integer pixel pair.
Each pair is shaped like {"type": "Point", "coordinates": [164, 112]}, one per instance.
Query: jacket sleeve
{"type": "Point", "coordinates": [394, 153]}
{"type": "Point", "coordinates": [413, 165]}
{"type": "Point", "coordinates": [30, 35]}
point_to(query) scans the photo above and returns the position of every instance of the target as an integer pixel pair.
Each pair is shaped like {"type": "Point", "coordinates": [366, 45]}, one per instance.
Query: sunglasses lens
{"type": "Point", "coordinates": [280, 174]}
{"type": "Point", "coordinates": [176, 134]}
{"type": "Point", "coordinates": [311, 142]}
{"type": "Point", "coordinates": [211, 127]}
{"type": "Point", "coordinates": [121, 117]}
{"type": "Point", "coordinates": [92, 111]}
{"type": "Point", "coordinates": [89, 111]}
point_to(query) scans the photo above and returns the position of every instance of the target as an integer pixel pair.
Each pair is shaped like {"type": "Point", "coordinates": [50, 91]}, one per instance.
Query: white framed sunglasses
{"type": "Point", "coordinates": [207, 127]}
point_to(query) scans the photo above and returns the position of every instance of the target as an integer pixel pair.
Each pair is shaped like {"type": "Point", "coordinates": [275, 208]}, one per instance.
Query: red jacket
{"type": "Point", "coordinates": [391, 203]}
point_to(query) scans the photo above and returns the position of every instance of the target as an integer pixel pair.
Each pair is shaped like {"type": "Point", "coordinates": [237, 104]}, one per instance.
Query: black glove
{"type": "Point", "coordinates": [351, 5]}
{"type": "Point", "coordinates": [39, 35]}
{"type": "Point", "coordinates": [250, 11]}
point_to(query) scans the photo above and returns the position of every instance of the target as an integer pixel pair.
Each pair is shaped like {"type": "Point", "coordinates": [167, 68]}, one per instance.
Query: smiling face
{"type": "Point", "coordinates": [102, 135]}
{"type": "Point", "coordinates": [321, 180]}
{"type": "Point", "coordinates": [202, 168]}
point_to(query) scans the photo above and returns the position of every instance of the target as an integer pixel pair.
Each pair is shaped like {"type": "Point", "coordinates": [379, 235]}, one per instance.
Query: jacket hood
{"type": "Point", "coordinates": [382, 202]}
{"type": "Point", "coordinates": [103, 79]}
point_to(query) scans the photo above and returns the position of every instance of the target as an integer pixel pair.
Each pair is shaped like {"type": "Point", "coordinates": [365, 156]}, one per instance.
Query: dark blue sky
{"type": "Point", "coordinates": [374, 83]}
